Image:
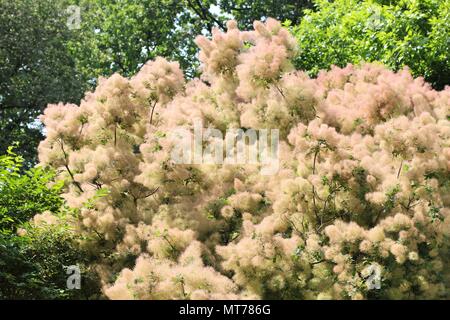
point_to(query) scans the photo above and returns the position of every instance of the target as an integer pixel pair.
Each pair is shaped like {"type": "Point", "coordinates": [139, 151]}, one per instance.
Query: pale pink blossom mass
{"type": "Point", "coordinates": [363, 178]}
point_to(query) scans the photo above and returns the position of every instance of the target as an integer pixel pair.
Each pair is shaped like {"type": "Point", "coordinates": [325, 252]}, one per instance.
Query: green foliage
{"type": "Point", "coordinates": [24, 194]}
{"type": "Point", "coordinates": [245, 12]}
{"type": "Point", "coordinates": [397, 33]}
{"type": "Point", "coordinates": [36, 68]}
{"type": "Point", "coordinates": [119, 36]}
{"type": "Point", "coordinates": [33, 266]}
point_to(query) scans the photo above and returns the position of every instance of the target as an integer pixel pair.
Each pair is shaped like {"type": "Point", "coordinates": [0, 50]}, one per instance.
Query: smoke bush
{"type": "Point", "coordinates": [363, 182]}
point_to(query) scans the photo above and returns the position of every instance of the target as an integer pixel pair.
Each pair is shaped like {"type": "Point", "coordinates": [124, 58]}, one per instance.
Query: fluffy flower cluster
{"type": "Point", "coordinates": [363, 185]}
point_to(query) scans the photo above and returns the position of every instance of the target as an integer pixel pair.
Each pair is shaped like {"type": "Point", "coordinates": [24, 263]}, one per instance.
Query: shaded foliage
{"type": "Point", "coordinates": [24, 194]}
{"type": "Point", "coordinates": [32, 265]}
{"type": "Point", "coordinates": [36, 68]}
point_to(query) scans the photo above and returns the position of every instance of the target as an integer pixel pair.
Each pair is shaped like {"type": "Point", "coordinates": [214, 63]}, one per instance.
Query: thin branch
{"type": "Point", "coordinates": [301, 234]}
{"type": "Point", "coordinates": [153, 109]}
{"type": "Point", "coordinates": [76, 183]}
{"type": "Point", "coordinates": [151, 193]}
{"type": "Point", "coordinates": [233, 8]}
{"type": "Point", "coordinates": [313, 187]}
{"type": "Point", "coordinates": [174, 249]}
{"type": "Point", "coordinates": [136, 198]}
{"type": "Point", "coordinates": [204, 14]}
{"type": "Point", "coordinates": [101, 237]}
{"type": "Point", "coordinates": [400, 169]}
{"type": "Point", "coordinates": [317, 262]}
{"type": "Point", "coordinates": [115, 134]}
{"type": "Point", "coordinates": [279, 90]}
{"type": "Point", "coordinates": [207, 13]}
{"type": "Point", "coordinates": [183, 291]}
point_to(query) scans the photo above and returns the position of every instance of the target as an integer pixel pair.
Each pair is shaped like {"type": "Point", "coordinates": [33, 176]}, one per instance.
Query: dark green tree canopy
{"type": "Point", "coordinates": [36, 68]}
{"type": "Point", "coordinates": [245, 12]}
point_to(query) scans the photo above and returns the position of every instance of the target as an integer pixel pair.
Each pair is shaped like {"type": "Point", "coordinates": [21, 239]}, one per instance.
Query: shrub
{"type": "Point", "coordinates": [363, 182]}
{"type": "Point", "coordinates": [32, 263]}
{"type": "Point", "coordinates": [397, 33]}
{"type": "Point", "coordinates": [24, 194]}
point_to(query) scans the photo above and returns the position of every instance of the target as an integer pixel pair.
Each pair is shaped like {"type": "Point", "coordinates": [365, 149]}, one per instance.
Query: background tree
{"type": "Point", "coordinates": [119, 36]}
{"type": "Point", "coordinates": [36, 68]}
{"type": "Point", "coordinates": [245, 12]}
{"type": "Point", "coordinates": [397, 33]}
